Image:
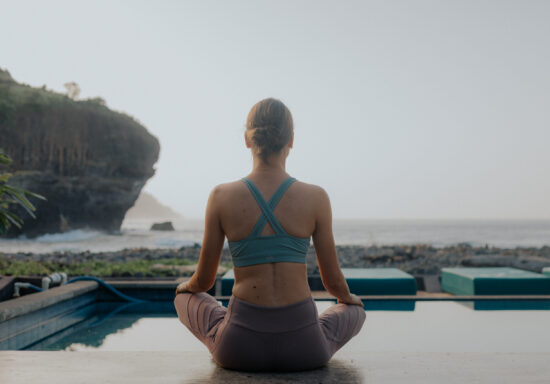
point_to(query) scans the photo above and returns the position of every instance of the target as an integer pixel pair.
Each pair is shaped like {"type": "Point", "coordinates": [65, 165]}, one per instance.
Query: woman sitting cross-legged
{"type": "Point", "coordinates": [271, 322]}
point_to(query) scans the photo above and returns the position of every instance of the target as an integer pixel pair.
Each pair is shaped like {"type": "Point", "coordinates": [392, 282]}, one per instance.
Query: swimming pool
{"type": "Point", "coordinates": [423, 326]}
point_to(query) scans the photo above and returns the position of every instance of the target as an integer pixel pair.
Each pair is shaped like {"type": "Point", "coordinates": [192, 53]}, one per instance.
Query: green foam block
{"type": "Point", "coordinates": [493, 281]}
{"type": "Point", "coordinates": [379, 281]}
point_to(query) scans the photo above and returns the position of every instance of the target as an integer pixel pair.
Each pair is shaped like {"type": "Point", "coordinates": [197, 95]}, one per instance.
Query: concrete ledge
{"type": "Point", "coordinates": [23, 331]}
{"type": "Point", "coordinates": [33, 302]}
{"type": "Point", "coordinates": [22, 367]}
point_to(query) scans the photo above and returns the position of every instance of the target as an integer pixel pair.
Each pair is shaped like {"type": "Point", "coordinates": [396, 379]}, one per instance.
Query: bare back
{"type": "Point", "coordinates": [269, 284]}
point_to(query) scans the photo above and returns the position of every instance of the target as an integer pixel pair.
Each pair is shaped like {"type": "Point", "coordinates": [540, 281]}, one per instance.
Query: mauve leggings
{"type": "Point", "coordinates": [250, 337]}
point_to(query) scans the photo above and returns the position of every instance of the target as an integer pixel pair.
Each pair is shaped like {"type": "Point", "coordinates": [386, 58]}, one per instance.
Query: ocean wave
{"type": "Point", "coordinates": [75, 235]}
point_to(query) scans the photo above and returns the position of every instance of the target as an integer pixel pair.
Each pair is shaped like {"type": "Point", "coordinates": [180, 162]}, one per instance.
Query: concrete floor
{"type": "Point", "coordinates": [197, 367]}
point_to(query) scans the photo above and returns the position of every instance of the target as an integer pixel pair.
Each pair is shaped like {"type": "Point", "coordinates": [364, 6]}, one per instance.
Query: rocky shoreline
{"type": "Point", "coordinates": [417, 260]}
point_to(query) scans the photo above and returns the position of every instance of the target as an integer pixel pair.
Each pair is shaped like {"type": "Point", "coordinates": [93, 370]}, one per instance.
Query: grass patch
{"type": "Point", "coordinates": [136, 268]}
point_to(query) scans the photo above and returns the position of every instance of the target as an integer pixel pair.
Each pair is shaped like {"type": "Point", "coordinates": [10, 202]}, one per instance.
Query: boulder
{"type": "Point", "coordinates": [165, 226]}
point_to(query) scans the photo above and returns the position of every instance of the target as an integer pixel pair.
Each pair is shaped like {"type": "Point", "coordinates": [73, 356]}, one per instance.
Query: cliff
{"type": "Point", "coordinates": [88, 161]}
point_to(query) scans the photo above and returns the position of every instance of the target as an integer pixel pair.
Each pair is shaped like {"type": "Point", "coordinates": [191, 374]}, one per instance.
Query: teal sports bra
{"type": "Point", "coordinates": [281, 246]}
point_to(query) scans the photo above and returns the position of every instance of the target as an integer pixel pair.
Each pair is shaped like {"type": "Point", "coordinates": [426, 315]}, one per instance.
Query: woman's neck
{"type": "Point", "coordinates": [275, 165]}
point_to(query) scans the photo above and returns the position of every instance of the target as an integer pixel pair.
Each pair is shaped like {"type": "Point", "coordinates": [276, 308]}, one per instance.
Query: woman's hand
{"type": "Point", "coordinates": [352, 299]}
{"type": "Point", "coordinates": [182, 288]}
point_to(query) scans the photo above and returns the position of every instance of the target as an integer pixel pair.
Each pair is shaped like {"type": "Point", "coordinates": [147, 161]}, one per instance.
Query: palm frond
{"type": "Point", "coordinates": [10, 194]}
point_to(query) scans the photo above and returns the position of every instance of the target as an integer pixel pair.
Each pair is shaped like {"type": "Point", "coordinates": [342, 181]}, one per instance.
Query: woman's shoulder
{"type": "Point", "coordinates": [312, 190]}
{"type": "Point", "coordinates": [237, 187]}
{"type": "Point", "coordinates": [227, 188]}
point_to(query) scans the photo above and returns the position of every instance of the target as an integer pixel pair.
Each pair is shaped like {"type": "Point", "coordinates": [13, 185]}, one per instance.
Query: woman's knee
{"type": "Point", "coordinates": [356, 317]}
{"type": "Point", "coordinates": [181, 302]}
{"type": "Point", "coordinates": [360, 317]}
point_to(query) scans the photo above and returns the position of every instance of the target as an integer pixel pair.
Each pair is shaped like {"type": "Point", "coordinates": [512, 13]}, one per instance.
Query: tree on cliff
{"type": "Point", "coordinates": [73, 90]}
{"type": "Point", "coordinates": [12, 195]}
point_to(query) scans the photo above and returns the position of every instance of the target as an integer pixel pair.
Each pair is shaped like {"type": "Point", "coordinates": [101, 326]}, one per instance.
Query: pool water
{"type": "Point", "coordinates": [427, 326]}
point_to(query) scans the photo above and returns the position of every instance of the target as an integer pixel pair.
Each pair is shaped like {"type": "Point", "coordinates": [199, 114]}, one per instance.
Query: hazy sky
{"type": "Point", "coordinates": [402, 109]}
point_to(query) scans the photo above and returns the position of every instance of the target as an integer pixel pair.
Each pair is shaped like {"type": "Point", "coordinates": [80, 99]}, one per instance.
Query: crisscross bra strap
{"type": "Point", "coordinates": [267, 208]}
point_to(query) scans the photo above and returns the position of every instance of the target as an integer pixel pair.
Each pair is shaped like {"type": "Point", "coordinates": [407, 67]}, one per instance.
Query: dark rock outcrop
{"type": "Point", "coordinates": [88, 161]}
{"type": "Point", "coordinates": [165, 226]}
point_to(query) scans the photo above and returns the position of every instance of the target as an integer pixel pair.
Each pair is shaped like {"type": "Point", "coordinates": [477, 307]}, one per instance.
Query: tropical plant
{"type": "Point", "coordinates": [10, 194]}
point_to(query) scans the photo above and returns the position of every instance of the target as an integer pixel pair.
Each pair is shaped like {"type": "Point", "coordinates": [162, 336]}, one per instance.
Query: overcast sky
{"type": "Point", "coordinates": [402, 109]}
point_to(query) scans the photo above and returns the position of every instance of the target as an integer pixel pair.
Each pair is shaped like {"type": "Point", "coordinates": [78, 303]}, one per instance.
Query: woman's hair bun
{"type": "Point", "coordinates": [270, 127]}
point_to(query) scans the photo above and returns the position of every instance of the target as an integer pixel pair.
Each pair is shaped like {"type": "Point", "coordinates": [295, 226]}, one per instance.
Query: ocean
{"type": "Point", "coordinates": [438, 233]}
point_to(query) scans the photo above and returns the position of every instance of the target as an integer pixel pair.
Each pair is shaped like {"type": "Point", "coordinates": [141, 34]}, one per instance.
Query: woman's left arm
{"type": "Point", "coordinates": [211, 250]}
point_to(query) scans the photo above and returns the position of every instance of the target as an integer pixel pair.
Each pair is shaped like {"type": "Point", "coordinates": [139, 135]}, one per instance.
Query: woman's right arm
{"type": "Point", "coordinates": [323, 241]}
